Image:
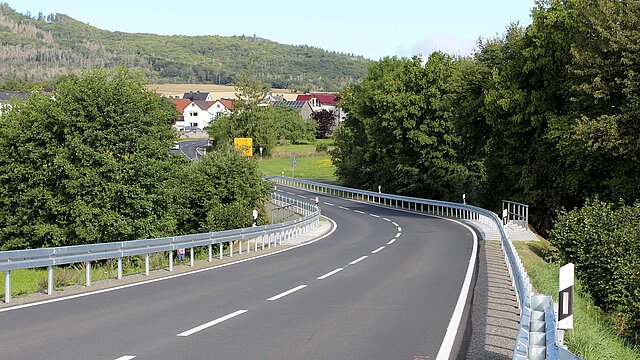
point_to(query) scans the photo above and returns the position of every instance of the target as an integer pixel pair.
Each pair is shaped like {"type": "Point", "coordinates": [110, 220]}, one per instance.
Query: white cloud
{"type": "Point", "coordinates": [445, 43]}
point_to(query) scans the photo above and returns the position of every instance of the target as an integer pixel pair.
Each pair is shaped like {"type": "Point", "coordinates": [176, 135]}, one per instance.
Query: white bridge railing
{"type": "Point", "coordinates": [261, 236]}
{"type": "Point", "coordinates": [529, 345]}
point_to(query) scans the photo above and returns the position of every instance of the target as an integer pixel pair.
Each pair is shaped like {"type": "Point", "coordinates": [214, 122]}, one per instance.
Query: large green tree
{"type": "Point", "coordinates": [88, 164]}
{"type": "Point", "coordinates": [399, 133]}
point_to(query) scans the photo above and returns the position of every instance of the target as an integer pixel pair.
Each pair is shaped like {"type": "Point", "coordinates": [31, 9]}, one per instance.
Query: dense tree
{"type": "Point", "coordinates": [87, 165]}
{"type": "Point", "coordinates": [399, 132]}
{"type": "Point", "coordinates": [219, 192]}
{"type": "Point", "coordinates": [326, 122]}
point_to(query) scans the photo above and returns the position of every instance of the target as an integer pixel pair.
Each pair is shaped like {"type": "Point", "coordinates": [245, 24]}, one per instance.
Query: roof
{"type": "Point", "coordinates": [228, 103]}
{"type": "Point", "coordinates": [195, 95]}
{"type": "Point", "coordinates": [181, 104]}
{"type": "Point", "coordinates": [324, 99]}
{"type": "Point", "coordinates": [8, 95]}
{"type": "Point", "coordinates": [294, 104]}
{"type": "Point", "coordinates": [204, 105]}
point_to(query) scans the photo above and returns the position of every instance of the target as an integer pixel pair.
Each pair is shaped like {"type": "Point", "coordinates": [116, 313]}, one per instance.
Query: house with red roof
{"type": "Point", "coordinates": [328, 102]}
{"type": "Point", "coordinates": [199, 113]}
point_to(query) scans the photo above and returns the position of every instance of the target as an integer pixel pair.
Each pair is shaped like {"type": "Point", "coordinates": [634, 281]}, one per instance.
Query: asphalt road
{"type": "Point", "coordinates": [188, 148]}
{"type": "Point", "coordinates": [383, 285]}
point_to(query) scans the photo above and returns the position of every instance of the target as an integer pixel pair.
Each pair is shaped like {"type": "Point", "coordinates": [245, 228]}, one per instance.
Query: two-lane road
{"type": "Point", "coordinates": [383, 285]}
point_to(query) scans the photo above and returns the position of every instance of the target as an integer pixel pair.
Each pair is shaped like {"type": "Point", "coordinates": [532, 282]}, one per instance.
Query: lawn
{"type": "Point", "coordinates": [310, 164]}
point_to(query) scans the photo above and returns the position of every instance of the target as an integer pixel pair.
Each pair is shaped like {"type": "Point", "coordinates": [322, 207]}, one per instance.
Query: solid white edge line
{"type": "Point", "coordinates": [378, 249]}
{"type": "Point", "coordinates": [211, 323]}
{"type": "Point", "coordinates": [288, 292]}
{"type": "Point", "coordinates": [358, 260]}
{"type": "Point", "coordinates": [126, 357]}
{"type": "Point", "coordinates": [398, 235]}
{"type": "Point", "coordinates": [70, 297]}
{"type": "Point", "coordinates": [375, 216]}
{"type": "Point", "coordinates": [452, 329]}
{"type": "Point", "coordinates": [330, 273]}
{"type": "Point", "coordinates": [391, 241]}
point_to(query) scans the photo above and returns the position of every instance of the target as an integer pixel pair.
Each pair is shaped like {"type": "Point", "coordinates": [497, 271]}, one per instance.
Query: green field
{"type": "Point", "coordinates": [310, 164]}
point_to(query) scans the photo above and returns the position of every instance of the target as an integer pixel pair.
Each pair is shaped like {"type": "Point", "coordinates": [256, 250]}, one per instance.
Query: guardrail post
{"type": "Point", "coordinates": [170, 260]}
{"type": "Point", "coordinates": [87, 273]}
{"type": "Point", "coordinates": [146, 264]}
{"type": "Point", "coordinates": [7, 286]}
{"type": "Point", "coordinates": [120, 268]}
{"type": "Point", "coordinates": [50, 279]}
{"type": "Point", "coordinates": [191, 256]}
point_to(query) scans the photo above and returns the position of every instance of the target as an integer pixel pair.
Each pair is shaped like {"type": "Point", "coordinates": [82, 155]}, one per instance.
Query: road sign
{"type": "Point", "coordinates": [244, 145]}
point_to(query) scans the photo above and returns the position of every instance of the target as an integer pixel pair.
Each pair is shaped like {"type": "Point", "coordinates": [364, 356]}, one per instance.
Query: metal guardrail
{"type": "Point", "coordinates": [517, 272]}
{"type": "Point", "coordinates": [264, 236]}
{"type": "Point", "coordinates": [516, 212]}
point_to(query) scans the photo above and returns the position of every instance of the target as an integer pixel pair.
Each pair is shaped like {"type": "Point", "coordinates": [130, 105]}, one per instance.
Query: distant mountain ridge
{"type": "Point", "coordinates": [48, 46]}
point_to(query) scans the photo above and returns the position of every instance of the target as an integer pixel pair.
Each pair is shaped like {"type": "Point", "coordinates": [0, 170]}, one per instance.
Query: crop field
{"type": "Point", "coordinates": [217, 91]}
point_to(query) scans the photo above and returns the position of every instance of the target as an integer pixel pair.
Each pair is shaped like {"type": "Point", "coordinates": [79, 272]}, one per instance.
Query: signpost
{"type": "Point", "coordinates": [294, 161]}
{"type": "Point", "coordinates": [244, 145]}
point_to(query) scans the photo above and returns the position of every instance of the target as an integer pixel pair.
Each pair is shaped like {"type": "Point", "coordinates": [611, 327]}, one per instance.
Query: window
{"type": "Point", "coordinates": [193, 113]}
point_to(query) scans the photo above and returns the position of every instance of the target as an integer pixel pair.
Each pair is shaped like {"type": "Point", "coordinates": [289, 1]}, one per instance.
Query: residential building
{"type": "Point", "coordinates": [197, 96]}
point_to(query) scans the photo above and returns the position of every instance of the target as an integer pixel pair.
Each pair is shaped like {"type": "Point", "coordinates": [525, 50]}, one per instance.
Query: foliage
{"type": "Point", "coordinates": [264, 124]}
{"type": "Point", "coordinates": [61, 45]}
{"type": "Point", "coordinates": [322, 147]}
{"type": "Point", "coordinates": [326, 122]}
{"type": "Point", "coordinates": [603, 243]}
{"type": "Point", "coordinates": [88, 165]}
{"type": "Point", "coordinates": [399, 132]}
{"type": "Point", "coordinates": [218, 192]}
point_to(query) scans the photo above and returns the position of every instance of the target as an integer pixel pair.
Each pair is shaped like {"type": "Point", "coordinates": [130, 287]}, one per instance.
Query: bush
{"type": "Point", "coordinates": [322, 147]}
{"type": "Point", "coordinates": [603, 242]}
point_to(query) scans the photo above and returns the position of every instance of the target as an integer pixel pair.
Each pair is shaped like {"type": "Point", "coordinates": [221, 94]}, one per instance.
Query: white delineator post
{"type": "Point", "coordinates": [565, 300]}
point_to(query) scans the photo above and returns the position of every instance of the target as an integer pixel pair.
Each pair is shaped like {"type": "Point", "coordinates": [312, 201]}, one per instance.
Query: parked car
{"type": "Point", "coordinates": [176, 146]}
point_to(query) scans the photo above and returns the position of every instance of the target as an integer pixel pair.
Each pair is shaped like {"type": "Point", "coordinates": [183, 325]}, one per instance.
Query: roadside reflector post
{"type": "Point", "coordinates": [565, 301]}
{"type": "Point", "coordinates": [7, 286]}
{"type": "Point", "coordinates": [120, 268]}
{"type": "Point", "coordinates": [87, 269]}
{"type": "Point", "coordinates": [146, 264]}
{"type": "Point", "coordinates": [191, 256]}
{"type": "Point", "coordinates": [50, 279]}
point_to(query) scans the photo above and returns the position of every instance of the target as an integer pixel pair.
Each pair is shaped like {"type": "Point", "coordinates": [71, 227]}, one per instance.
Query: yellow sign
{"type": "Point", "coordinates": [245, 145]}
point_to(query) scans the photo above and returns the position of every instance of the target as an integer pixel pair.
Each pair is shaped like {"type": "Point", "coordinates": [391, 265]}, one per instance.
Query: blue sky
{"type": "Point", "coordinates": [372, 29]}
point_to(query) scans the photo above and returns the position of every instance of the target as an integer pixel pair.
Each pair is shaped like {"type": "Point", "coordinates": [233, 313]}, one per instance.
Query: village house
{"type": "Point", "coordinates": [198, 114]}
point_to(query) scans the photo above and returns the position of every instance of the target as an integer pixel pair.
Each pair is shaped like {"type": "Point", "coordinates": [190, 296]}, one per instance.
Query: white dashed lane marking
{"type": "Point", "coordinates": [212, 323]}
{"type": "Point", "coordinates": [391, 241]}
{"type": "Point", "coordinates": [358, 260]}
{"type": "Point", "coordinates": [398, 235]}
{"type": "Point", "coordinates": [375, 216]}
{"type": "Point", "coordinates": [378, 249]}
{"type": "Point", "coordinates": [302, 196]}
{"type": "Point", "coordinates": [385, 219]}
{"type": "Point", "coordinates": [288, 292]}
{"type": "Point", "coordinates": [399, 229]}
{"type": "Point", "coordinates": [359, 212]}
{"type": "Point", "coordinates": [126, 357]}
{"type": "Point", "coordinates": [330, 273]}
{"type": "Point", "coordinates": [343, 208]}
{"type": "Point", "coordinates": [394, 223]}
{"type": "Point", "coordinates": [330, 204]}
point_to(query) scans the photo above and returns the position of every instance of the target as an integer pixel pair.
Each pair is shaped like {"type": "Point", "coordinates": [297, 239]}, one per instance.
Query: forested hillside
{"type": "Point", "coordinates": [45, 47]}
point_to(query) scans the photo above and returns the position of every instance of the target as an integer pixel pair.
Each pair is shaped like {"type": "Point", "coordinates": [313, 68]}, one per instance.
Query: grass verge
{"type": "Point", "coordinates": [593, 336]}
{"type": "Point", "coordinates": [313, 167]}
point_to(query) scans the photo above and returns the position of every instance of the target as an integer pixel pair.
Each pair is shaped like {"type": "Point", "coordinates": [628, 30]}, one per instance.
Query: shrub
{"type": "Point", "coordinates": [603, 242]}
{"type": "Point", "coordinates": [322, 147]}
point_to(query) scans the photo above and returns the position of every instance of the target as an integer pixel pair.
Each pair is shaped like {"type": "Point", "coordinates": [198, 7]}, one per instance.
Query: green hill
{"type": "Point", "coordinates": [46, 47]}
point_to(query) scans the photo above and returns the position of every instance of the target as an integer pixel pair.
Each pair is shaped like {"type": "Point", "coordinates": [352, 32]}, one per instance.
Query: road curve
{"type": "Point", "coordinates": [384, 285]}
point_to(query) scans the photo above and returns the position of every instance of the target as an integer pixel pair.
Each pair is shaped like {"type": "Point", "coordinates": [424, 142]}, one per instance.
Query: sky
{"type": "Point", "coordinates": [368, 28]}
